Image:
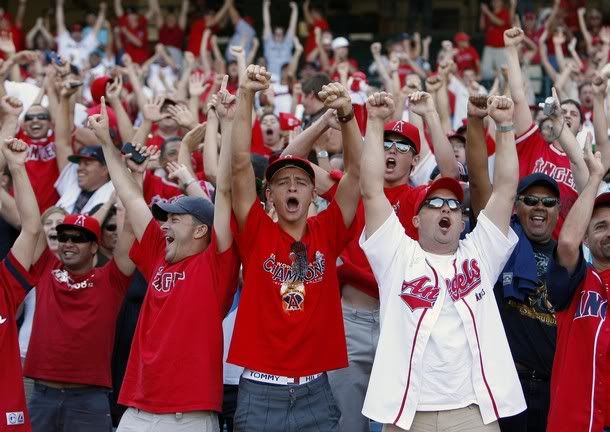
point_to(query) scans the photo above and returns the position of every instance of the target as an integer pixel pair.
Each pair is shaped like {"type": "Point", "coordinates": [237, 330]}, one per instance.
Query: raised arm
{"type": "Point", "coordinates": [134, 79]}
{"type": "Point", "coordinates": [243, 184]}
{"type": "Point", "coordinates": [225, 107]}
{"type": "Point", "coordinates": [570, 146]}
{"type": "Point", "coordinates": [575, 225]}
{"type": "Point", "coordinates": [99, 22]}
{"type": "Point", "coordinates": [292, 24]}
{"type": "Point", "coordinates": [559, 39]}
{"type": "Point", "coordinates": [60, 21]}
{"type": "Point", "coordinates": [127, 187]}
{"type": "Point", "coordinates": [496, 20]}
{"type": "Point", "coordinates": [15, 153]}
{"type": "Point", "coordinates": [544, 57]}
{"type": "Point", "coordinates": [421, 103]}
{"type": "Point", "coordinates": [64, 124]}
{"type": "Point", "coordinates": [184, 10]}
{"type": "Point", "coordinates": [118, 8]}
{"type": "Point", "coordinates": [600, 120]}
{"type": "Point", "coordinates": [377, 208]}
{"type": "Point", "coordinates": [266, 19]}
{"type": "Point", "coordinates": [20, 14]}
{"type": "Point", "coordinates": [113, 94]}
{"type": "Point", "coordinates": [476, 155]}
{"type": "Point", "coordinates": [335, 96]}
{"type": "Point", "coordinates": [523, 117]}
{"type": "Point", "coordinates": [506, 167]}
{"type": "Point", "coordinates": [190, 144]}
{"type": "Point", "coordinates": [220, 14]}
{"type": "Point", "coordinates": [10, 110]}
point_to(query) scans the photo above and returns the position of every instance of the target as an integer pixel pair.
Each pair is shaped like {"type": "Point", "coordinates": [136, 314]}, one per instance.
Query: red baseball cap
{"type": "Point", "coordinates": [602, 200]}
{"type": "Point", "coordinates": [460, 37]}
{"type": "Point", "coordinates": [441, 183]}
{"type": "Point", "coordinates": [406, 130]}
{"type": "Point", "coordinates": [81, 222]}
{"type": "Point", "coordinates": [290, 161]}
{"type": "Point", "coordinates": [288, 121]}
{"type": "Point", "coordinates": [98, 88]}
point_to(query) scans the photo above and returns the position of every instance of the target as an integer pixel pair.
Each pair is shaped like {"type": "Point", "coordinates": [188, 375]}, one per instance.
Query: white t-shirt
{"type": "Point", "coordinates": [420, 175]}
{"type": "Point", "coordinates": [282, 98]}
{"type": "Point", "coordinates": [230, 372]}
{"type": "Point", "coordinates": [447, 362]}
{"type": "Point", "coordinates": [68, 190]}
{"type": "Point", "coordinates": [25, 331]}
{"type": "Point", "coordinates": [76, 53]}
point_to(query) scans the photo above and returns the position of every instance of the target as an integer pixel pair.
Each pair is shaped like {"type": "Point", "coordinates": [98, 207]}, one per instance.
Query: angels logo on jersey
{"type": "Point", "coordinates": [465, 281]}
{"type": "Point", "coordinates": [292, 277]}
{"type": "Point", "coordinates": [591, 304]}
{"type": "Point", "coordinates": [419, 293]}
{"type": "Point", "coordinates": [63, 277]}
{"type": "Point", "coordinates": [165, 281]}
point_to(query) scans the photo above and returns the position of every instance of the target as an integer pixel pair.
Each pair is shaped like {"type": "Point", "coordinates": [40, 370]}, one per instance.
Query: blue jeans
{"type": "Point", "coordinates": [69, 410]}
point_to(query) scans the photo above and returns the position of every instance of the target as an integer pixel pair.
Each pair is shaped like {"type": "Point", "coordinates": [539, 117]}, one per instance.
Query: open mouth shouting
{"type": "Point", "coordinates": [390, 163]}
{"type": "Point", "coordinates": [445, 224]}
{"type": "Point", "coordinates": [292, 205]}
{"type": "Point", "coordinates": [538, 220]}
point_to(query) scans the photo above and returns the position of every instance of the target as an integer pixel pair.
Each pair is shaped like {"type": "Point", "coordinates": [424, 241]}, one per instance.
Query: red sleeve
{"type": "Point", "coordinates": [247, 237]}
{"type": "Point", "coordinates": [331, 220]}
{"type": "Point", "coordinates": [226, 265]}
{"type": "Point", "coordinates": [46, 261]}
{"type": "Point", "coordinates": [528, 148]}
{"type": "Point", "coordinates": [145, 253]}
{"type": "Point", "coordinates": [15, 281]}
{"type": "Point", "coordinates": [115, 277]}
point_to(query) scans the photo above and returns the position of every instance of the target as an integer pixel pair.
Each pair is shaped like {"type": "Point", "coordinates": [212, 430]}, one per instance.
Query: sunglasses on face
{"type": "Point", "coordinates": [110, 227]}
{"type": "Point", "coordinates": [401, 146]}
{"type": "Point", "coordinates": [40, 116]}
{"type": "Point", "coordinates": [74, 238]}
{"type": "Point", "coordinates": [532, 201]}
{"type": "Point", "coordinates": [437, 203]}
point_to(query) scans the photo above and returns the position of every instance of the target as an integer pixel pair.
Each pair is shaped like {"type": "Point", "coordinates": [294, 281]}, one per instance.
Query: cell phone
{"type": "Point", "coordinates": [75, 84]}
{"type": "Point", "coordinates": [136, 156]}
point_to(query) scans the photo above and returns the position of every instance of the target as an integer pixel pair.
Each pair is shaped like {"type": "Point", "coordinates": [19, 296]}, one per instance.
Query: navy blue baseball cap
{"type": "Point", "coordinates": [90, 153]}
{"type": "Point", "coordinates": [538, 179]}
{"type": "Point", "coordinates": [200, 208]}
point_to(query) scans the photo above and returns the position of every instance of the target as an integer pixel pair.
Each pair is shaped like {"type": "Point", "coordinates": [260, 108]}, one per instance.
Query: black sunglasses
{"type": "Point", "coordinates": [74, 238]}
{"type": "Point", "coordinates": [531, 201]}
{"type": "Point", "coordinates": [110, 227]}
{"type": "Point", "coordinates": [437, 203]}
{"type": "Point", "coordinates": [401, 146]}
{"type": "Point", "coordinates": [40, 116]}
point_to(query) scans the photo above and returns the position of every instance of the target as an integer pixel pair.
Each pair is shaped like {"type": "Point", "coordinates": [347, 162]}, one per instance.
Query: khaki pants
{"type": "Point", "coordinates": [135, 420]}
{"type": "Point", "coordinates": [459, 420]}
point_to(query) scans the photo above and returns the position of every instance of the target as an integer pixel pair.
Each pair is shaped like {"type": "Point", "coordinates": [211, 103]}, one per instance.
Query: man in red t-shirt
{"type": "Point", "coordinates": [13, 412]}
{"type": "Point", "coordinates": [209, 20]}
{"type": "Point", "coordinates": [41, 165]}
{"type": "Point", "coordinates": [493, 22]}
{"type": "Point", "coordinates": [580, 393]}
{"type": "Point", "coordinates": [134, 32]}
{"type": "Point", "coordinates": [535, 154]}
{"type": "Point", "coordinates": [290, 276]}
{"type": "Point", "coordinates": [174, 372]}
{"type": "Point", "coordinates": [314, 19]}
{"type": "Point", "coordinates": [466, 56]}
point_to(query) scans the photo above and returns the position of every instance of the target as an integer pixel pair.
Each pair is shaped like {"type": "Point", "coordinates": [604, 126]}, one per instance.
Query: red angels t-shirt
{"type": "Point", "coordinates": [175, 364]}
{"type": "Point", "coordinates": [467, 58]}
{"type": "Point", "coordinates": [73, 329]}
{"type": "Point", "coordinates": [289, 320]}
{"type": "Point", "coordinates": [139, 54]}
{"type": "Point", "coordinates": [195, 36]}
{"type": "Point", "coordinates": [355, 269]}
{"type": "Point", "coordinates": [13, 410]}
{"type": "Point", "coordinates": [536, 155]}
{"type": "Point", "coordinates": [41, 166]}
{"type": "Point", "coordinates": [494, 35]}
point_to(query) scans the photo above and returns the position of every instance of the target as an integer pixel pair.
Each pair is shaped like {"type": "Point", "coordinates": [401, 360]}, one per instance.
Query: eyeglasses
{"type": "Point", "coordinates": [110, 227]}
{"type": "Point", "coordinates": [74, 238]}
{"type": "Point", "coordinates": [39, 116]}
{"type": "Point", "coordinates": [401, 146]}
{"type": "Point", "coordinates": [531, 201]}
{"type": "Point", "coordinates": [437, 203]}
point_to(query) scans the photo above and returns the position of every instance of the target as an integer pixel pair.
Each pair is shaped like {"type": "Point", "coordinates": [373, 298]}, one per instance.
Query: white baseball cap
{"type": "Point", "coordinates": [339, 42]}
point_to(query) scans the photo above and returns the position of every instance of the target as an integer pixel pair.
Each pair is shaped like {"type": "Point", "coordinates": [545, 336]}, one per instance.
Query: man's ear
{"type": "Point", "coordinates": [268, 195]}
{"type": "Point", "coordinates": [415, 221]}
{"type": "Point", "coordinates": [200, 231]}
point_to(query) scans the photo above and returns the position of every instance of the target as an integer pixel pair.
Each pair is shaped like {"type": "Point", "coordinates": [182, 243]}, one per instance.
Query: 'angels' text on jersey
{"type": "Point", "coordinates": [165, 281]}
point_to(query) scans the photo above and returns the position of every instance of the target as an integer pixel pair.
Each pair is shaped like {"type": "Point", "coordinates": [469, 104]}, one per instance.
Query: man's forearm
{"type": "Point", "coordinates": [506, 167]}
{"type": "Point", "coordinates": [476, 159]}
{"type": "Point", "coordinates": [372, 165]}
{"type": "Point", "coordinates": [25, 200]}
{"type": "Point", "coordinates": [600, 128]}
{"type": "Point", "coordinates": [443, 152]}
{"type": "Point", "coordinates": [303, 143]}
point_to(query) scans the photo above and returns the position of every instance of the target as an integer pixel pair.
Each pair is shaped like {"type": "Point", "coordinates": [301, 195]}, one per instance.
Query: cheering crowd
{"type": "Point", "coordinates": [276, 237]}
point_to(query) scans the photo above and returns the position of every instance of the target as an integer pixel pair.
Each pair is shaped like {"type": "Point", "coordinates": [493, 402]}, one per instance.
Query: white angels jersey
{"type": "Point", "coordinates": [411, 298]}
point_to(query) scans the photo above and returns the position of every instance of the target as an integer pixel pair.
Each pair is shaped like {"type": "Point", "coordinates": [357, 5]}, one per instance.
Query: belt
{"type": "Point", "coordinates": [61, 385]}
{"type": "Point", "coordinates": [277, 379]}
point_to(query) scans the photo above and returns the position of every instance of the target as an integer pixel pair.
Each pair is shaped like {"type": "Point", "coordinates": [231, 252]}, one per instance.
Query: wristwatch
{"type": "Point", "coordinates": [505, 128]}
{"type": "Point", "coordinates": [322, 154]}
{"type": "Point", "coordinates": [345, 118]}
{"type": "Point", "coordinates": [188, 183]}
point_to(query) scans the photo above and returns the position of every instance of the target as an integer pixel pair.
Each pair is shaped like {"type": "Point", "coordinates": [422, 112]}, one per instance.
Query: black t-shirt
{"type": "Point", "coordinates": [530, 326]}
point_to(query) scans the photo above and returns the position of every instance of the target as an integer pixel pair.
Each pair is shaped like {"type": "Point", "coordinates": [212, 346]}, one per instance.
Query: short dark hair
{"type": "Point", "coordinates": [315, 83]}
